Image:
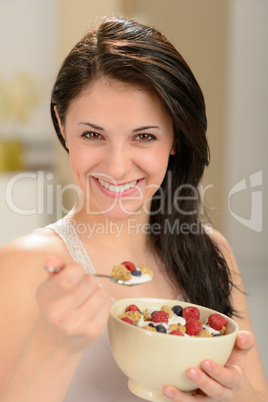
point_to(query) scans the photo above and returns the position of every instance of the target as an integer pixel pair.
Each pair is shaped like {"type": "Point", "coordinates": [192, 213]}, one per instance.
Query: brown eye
{"type": "Point", "coordinates": [146, 137]}
{"type": "Point", "coordinates": [91, 135]}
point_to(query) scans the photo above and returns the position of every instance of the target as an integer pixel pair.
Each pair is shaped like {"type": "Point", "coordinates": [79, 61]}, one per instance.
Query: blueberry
{"type": "Point", "coordinates": [161, 328]}
{"type": "Point", "coordinates": [217, 335]}
{"type": "Point", "coordinates": [154, 312]}
{"type": "Point", "coordinates": [136, 273]}
{"type": "Point", "coordinates": [140, 312]}
{"type": "Point", "coordinates": [177, 310]}
{"type": "Point", "coordinates": [151, 325]}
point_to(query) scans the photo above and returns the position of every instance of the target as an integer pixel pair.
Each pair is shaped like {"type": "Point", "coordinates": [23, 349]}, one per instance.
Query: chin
{"type": "Point", "coordinates": [117, 215]}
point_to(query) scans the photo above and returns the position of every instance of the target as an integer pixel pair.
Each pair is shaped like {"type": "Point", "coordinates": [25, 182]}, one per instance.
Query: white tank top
{"type": "Point", "coordinates": [97, 378]}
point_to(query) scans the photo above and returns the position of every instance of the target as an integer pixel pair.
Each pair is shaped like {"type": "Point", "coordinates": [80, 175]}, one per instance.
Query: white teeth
{"type": "Point", "coordinates": [118, 189]}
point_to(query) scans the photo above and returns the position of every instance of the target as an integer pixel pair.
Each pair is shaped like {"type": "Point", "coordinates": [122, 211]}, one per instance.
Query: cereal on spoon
{"type": "Point", "coordinates": [128, 272]}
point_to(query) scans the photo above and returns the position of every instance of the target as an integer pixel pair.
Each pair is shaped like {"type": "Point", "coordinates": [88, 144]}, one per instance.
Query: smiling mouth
{"type": "Point", "coordinates": [118, 189]}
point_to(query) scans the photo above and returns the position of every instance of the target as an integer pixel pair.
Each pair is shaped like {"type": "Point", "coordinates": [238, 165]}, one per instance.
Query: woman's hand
{"type": "Point", "coordinates": [73, 308]}
{"type": "Point", "coordinates": [214, 382]}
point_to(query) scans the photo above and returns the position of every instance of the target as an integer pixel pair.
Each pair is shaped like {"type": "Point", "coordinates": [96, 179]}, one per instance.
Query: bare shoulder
{"type": "Point", "coordinates": [22, 261]}
{"type": "Point", "coordinates": [27, 253]}
{"type": "Point", "coordinates": [35, 241]}
{"type": "Point", "coordinates": [22, 258]}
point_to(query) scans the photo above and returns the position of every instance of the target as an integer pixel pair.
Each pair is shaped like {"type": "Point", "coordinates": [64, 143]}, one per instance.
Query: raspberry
{"type": "Point", "coordinates": [128, 320]}
{"type": "Point", "coordinates": [191, 312]}
{"type": "Point", "coordinates": [160, 316]}
{"type": "Point", "coordinates": [217, 321]}
{"type": "Point", "coordinates": [129, 265]}
{"type": "Point", "coordinates": [132, 307]}
{"type": "Point", "coordinates": [176, 332]}
{"type": "Point", "coordinates": [193, 327]}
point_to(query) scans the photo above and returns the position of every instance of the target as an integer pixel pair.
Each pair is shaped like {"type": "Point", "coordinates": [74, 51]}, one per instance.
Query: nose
{"type": "Point", "coordinates": [118, 162]}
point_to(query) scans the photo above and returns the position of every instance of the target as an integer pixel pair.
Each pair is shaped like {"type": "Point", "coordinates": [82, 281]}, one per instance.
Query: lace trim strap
{"type": "Point", "coordinates": [65, 229]}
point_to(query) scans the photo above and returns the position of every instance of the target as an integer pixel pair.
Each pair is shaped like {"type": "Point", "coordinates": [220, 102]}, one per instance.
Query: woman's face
{"type": "Point", "coordinates": [119, 139]}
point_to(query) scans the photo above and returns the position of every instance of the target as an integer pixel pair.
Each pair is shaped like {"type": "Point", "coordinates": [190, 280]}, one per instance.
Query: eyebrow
{"type": "Point", "coordinates": [92, 125]}
{"type": "Point", "coordinates": [144, 128]}
{"type": "Point", "coordinates": [133, 131]}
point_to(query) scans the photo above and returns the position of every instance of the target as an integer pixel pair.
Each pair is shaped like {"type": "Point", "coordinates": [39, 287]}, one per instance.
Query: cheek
{"type": "Point", "coordinates": [80, 159]}
{"type": "Point", "coordinates": [79, 165]}
{"type": "Point", "coordinates": [76, 162]}
{"type": "Point", "coordinates": [156, 165]}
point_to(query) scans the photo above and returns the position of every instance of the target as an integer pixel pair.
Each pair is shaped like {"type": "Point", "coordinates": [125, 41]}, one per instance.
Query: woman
{"type": "Point", "coordinates": [130, 113]}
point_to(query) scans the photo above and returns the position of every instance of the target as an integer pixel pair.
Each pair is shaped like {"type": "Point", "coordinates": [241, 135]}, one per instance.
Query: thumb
{"type": "Point", "coordinates": [53, 264]}
{"type": "Point", "coordinates": [245, 340]}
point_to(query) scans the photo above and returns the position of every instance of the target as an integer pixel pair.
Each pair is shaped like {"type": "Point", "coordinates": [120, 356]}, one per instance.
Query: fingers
{"type": "Point", "coordinates": [74, 308]}
{"type": "Point", "coordinates": [215, 381]}
{"type": "Point", "coordinates": [87, 319]}
{"type": "Point", "coordinates": [245, 340]}
{"type": "Point", "coordinates": [221, 382]}
{"type": "Point", "coordinates": [73, 281]}
{"type": "Point", "coordinates": [207, 388]}
{"type": "Point", "coordinates": [228, 378]}
{"type": "Point", "coordinates": [67, 290]}
{"type": "Point", "coordinates": [58, 285]}
{"type": "Point", "coordinates": [93, 320]}
{"type": "Point", "coordinates": [70, 279]}
{"type": "Point", "coordinates": [67, 293]}
{"type": "Point", "coordinates": [176, 395]}
{"type": "Point", "coordinates": [89, 307]}
{"type": "Point", "coordinates": [55, 262]}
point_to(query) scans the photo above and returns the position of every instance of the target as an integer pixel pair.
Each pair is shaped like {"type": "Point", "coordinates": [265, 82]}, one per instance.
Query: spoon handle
{"type": "Point", "coordinates": [104, 276]}
{"type": "Point", "coordinates": [119, 282]}
{"type": "Point", "coordinates": [55, 270]}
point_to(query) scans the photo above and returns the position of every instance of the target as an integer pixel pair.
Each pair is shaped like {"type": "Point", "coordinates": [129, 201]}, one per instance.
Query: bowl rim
{"type": "Point", "coordinates": [157, 300]}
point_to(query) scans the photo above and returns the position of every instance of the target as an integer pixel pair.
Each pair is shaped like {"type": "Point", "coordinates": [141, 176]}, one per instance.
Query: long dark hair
{"type": "Point", "coordinates": [125, 50]}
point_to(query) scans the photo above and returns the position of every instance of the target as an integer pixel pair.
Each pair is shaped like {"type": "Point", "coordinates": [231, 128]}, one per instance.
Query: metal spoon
{"type": "Point", "coordinates": [136, 280]}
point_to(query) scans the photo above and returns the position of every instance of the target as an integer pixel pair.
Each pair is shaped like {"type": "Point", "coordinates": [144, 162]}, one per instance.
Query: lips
{"type": "Point", "coordinates": [118, 189]}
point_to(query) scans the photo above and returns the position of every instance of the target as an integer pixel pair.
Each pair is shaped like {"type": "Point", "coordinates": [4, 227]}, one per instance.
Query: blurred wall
{"type": "Point", "coordinates": [246, 135]}
{"type": "Point", "coordinates": [27, 68]}
{"type": "Point", "coordinates": [75, 17]}
{"type": "Point", "coordinates": [27, 47]}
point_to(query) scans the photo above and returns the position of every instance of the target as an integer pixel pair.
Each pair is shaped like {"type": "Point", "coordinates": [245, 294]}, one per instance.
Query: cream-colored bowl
{"type": "Point", "coordinates": [152, 360]}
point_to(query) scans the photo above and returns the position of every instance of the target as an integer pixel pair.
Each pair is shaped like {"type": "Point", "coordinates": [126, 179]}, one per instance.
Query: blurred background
{"type": "Point", "coordinates": [225, 43]}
